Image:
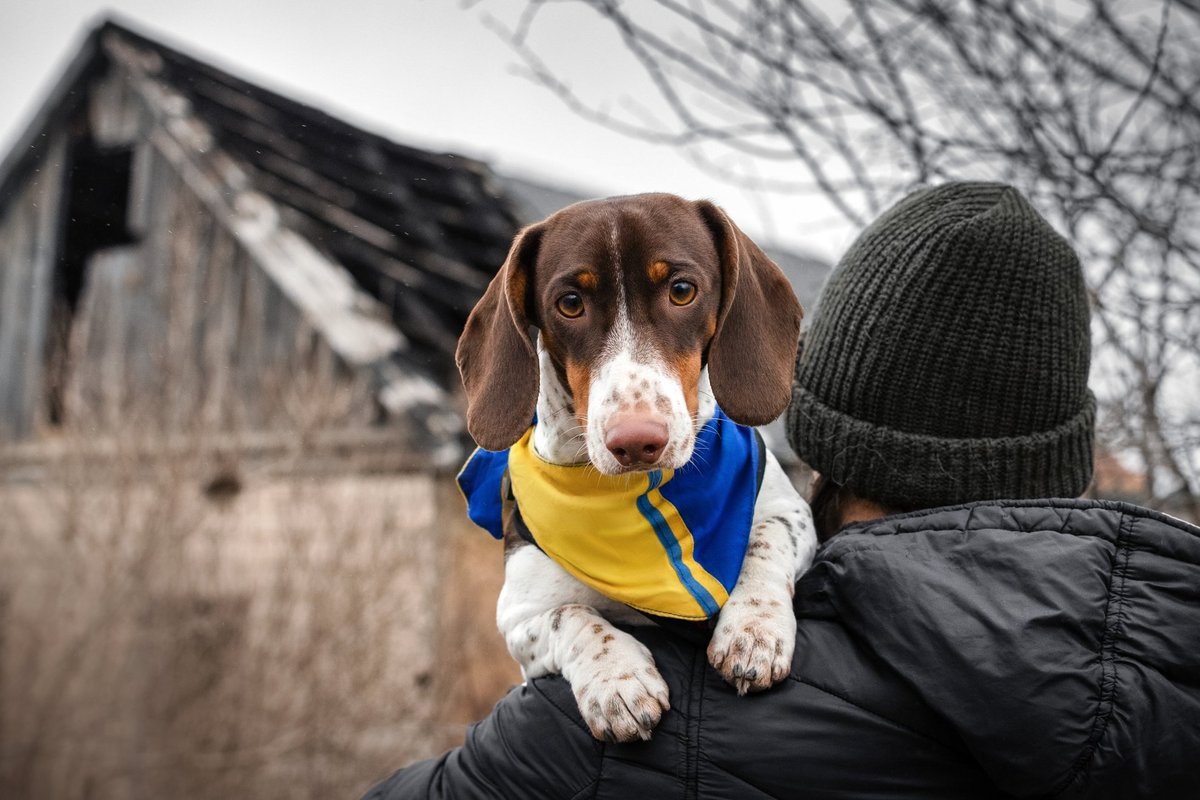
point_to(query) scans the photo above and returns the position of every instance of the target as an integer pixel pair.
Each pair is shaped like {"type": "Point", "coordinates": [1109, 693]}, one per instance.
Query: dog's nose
{"type": "Point", "coordinates": [636, 441]}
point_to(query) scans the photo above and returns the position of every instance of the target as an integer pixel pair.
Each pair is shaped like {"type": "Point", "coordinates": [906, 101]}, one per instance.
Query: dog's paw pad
{"type": "Point", "coordinates": [753, 651]}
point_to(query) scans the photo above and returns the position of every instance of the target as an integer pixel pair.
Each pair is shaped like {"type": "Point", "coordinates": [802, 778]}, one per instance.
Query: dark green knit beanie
{"type": "Point", "coordinates": [947, 359]}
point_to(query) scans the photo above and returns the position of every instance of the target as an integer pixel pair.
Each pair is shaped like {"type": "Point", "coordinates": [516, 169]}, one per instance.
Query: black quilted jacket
{"type": "Point", "coordinates": [1012, 649]}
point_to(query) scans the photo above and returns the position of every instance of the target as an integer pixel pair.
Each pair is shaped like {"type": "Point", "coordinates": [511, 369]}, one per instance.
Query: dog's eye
{"type": "Point", "coordinates": [682, 292]}
{"type": "Point", "coordinates": [570, 305]}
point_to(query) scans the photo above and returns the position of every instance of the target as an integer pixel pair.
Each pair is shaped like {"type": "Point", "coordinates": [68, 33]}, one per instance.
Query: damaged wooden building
{"type": "Point", "coordinates": [232, 560]}
{"type": "Point", "coordinates": [179, 244]}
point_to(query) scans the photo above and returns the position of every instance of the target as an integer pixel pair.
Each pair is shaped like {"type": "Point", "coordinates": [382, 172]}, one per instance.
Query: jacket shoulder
{"type": "Point", "coordinates": [1054, 636]}
{"type": "Point", "coordinates": [532, 745]}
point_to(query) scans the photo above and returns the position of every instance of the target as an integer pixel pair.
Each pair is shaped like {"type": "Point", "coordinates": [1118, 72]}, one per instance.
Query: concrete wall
{"type": "Point", "coordinates": [207, 628]}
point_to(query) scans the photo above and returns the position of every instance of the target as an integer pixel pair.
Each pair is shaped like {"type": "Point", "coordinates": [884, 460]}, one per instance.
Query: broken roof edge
{"type": "Point", "coordinates": [29, 146]}
{"type": "Point", "coordinates": [353, 323]}
{"type": "Point", "coordinates": [302, 108]}
{"type": "Point", "coordinates": [64, 97]}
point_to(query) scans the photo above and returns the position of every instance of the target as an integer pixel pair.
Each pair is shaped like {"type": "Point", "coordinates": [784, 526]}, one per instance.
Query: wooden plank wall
{"type": "Point", "coordinates": [218, 316]}
{"type": "Point", "coordinates": [183, 329]}
{"type": "Point", "coordinates": [28, 236]}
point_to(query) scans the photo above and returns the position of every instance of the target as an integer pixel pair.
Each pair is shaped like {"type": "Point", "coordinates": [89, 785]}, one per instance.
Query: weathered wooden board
{"type": "Point", "coordinates": [29, 231]}
{"type": "Point", "coordinates": [186, 329]}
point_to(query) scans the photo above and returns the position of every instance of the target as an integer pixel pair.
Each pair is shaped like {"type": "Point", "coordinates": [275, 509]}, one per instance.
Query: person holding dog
{"type": "Point", "coordinates": [959, 634]}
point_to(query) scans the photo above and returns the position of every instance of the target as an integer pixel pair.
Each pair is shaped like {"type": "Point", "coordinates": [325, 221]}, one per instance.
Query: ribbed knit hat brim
{"type": "Point", "coordinates": [908, 470]}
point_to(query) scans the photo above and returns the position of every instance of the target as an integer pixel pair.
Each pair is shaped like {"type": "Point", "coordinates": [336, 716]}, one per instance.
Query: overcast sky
{"type": "Point", "coordinates": [424, 72]}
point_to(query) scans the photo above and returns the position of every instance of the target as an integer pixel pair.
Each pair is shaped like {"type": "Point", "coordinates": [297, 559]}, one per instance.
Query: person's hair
{"type": "Point", "coordinates": [829, 500]}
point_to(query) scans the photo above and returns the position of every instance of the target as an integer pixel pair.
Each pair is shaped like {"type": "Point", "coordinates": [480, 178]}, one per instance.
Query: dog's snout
{"type": "Point", "coordinates": [636, 441]}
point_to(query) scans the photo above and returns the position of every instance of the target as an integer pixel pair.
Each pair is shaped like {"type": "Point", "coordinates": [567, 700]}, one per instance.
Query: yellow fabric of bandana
{"type": "Point", "coordinates": [592, 525]}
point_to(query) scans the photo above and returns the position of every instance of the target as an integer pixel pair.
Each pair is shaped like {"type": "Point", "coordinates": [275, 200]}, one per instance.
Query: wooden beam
{"type": "Point", "coordinates": [354, 324]}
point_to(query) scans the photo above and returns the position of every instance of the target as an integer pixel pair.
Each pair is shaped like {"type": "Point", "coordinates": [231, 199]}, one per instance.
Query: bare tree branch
{"type": "Point", "coordinates": [1092, 109]}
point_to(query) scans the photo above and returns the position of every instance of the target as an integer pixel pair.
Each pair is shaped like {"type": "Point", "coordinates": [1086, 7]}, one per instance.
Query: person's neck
{"type": "Point", "coordinates": [857, 509]}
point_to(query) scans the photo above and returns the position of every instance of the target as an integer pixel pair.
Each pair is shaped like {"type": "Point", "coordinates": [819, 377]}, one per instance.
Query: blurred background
{"type": "Point", "coordinates": [238, 243]}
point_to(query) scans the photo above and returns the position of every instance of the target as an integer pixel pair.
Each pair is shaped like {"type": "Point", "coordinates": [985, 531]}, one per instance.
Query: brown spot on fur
{"type": "Point", "coordinates": [608, 637]}
{"type": "Point", "coordinates": [754, 601]}
{"type": "Point", "coordinates": [600, 655]}
{"type": "Point", "coordinates": [627, 676]}
{"type": "Point", "coordinates": [687, 366]}
{"type": "Point", "coordinates": [597, 628]}
{"type": "Point", "coordinates": [658, 271]}
{"type": "Point", "coordinates": [587, 280]}
{"type": "Point", "coordinates": [759, 544]}
{"type": "Point", "coordinates": [556, 619]}
{"type": "Point", "coordinates": [579, 378]}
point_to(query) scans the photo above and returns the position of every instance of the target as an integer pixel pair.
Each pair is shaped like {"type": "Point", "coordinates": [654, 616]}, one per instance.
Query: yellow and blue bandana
{"type": "Point", "coordinates": [667, 542]}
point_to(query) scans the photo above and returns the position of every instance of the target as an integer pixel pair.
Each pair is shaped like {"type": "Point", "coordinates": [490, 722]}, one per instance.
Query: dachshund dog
{"type": "Point", "coordinates": [646, 333]}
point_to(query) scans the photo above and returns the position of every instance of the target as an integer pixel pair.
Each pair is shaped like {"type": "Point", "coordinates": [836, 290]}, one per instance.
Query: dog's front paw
{"type": "Point", "coordinates": [621, 694]}
{"type": "Point", "coordinates": [753, 643]}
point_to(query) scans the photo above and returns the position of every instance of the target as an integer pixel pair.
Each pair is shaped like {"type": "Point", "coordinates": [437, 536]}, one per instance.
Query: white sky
{"type": "Point", "coordinates": [423, 72]}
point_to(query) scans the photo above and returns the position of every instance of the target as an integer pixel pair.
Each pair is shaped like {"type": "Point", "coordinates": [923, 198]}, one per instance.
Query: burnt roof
{"type": "Point", "coordinates": [422, 232]}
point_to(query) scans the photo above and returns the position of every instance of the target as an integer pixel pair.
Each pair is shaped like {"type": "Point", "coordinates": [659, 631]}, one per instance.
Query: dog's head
{"type": "Point", "coordinates": [634, 297]}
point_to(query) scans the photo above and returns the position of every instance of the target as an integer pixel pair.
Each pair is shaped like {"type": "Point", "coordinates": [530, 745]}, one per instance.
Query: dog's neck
{"type": "Point", "coordinates": [558, 437]}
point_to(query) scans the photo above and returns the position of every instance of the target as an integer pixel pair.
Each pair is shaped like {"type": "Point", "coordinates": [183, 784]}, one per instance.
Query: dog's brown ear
{"type": "Point", "coordinates": [753, 353]}
{"type": "Point", "coordinates": [495, 355]}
